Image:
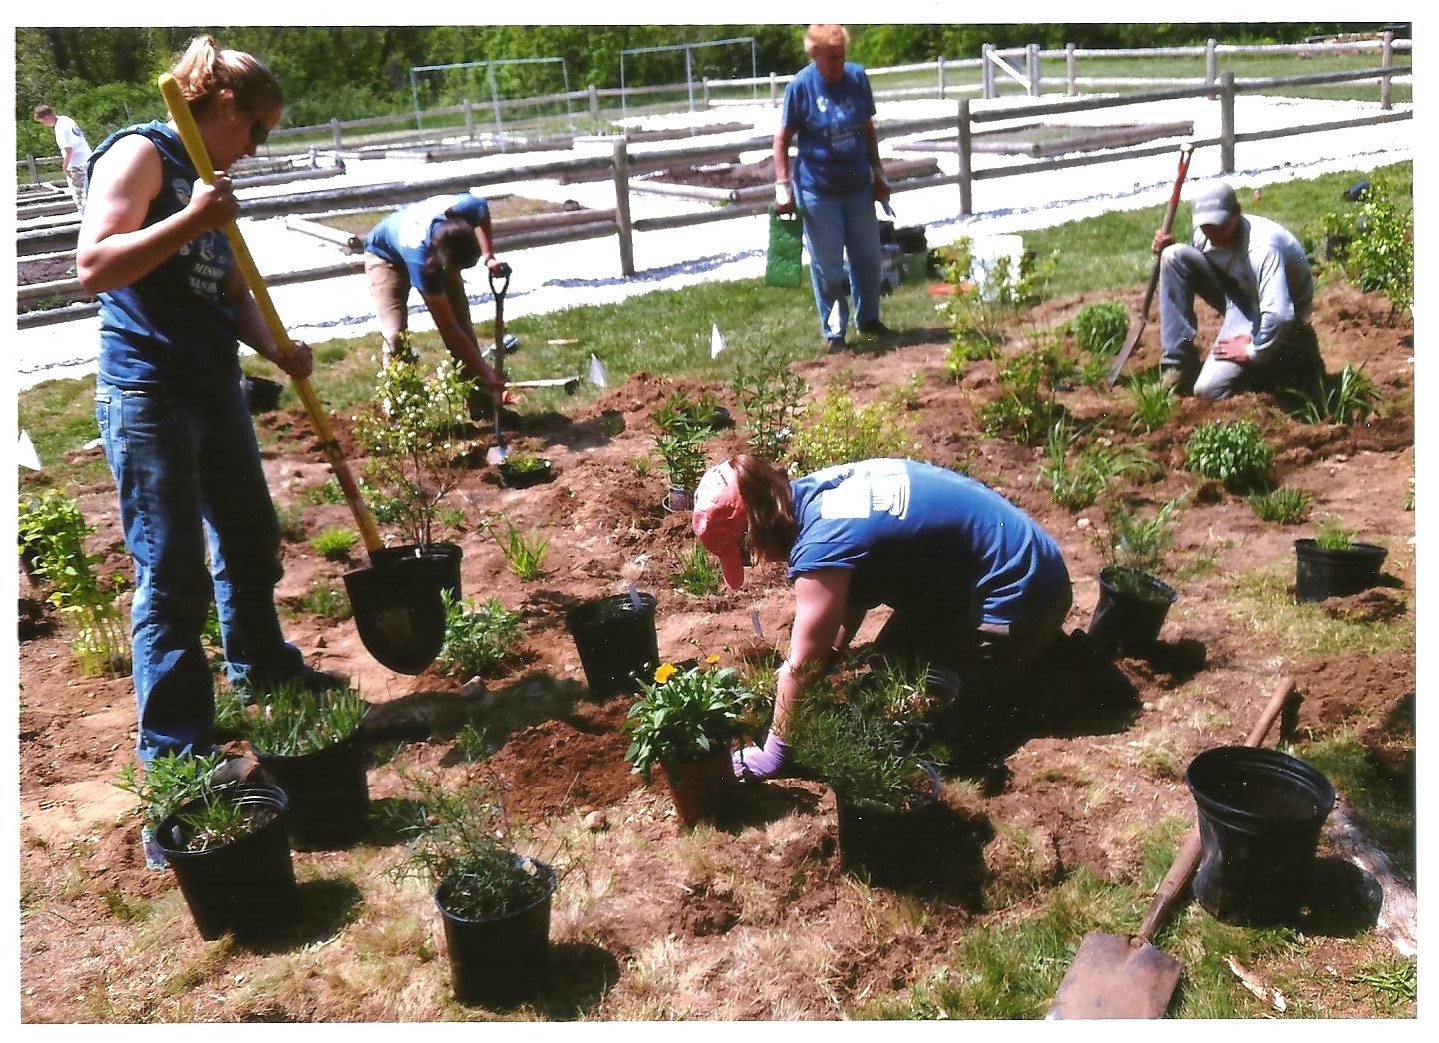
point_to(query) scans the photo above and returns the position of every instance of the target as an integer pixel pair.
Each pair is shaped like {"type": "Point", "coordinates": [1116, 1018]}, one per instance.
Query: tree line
{"type": "Point", "coordinates": [105, 77]}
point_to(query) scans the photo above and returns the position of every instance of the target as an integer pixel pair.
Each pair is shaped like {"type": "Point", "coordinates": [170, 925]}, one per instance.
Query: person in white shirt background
{"type": "Point", "coordinates": [74, 150]}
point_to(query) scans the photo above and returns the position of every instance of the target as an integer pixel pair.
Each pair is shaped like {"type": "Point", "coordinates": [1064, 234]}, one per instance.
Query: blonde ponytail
{"type": "Point", "coordinates": [205, 69]}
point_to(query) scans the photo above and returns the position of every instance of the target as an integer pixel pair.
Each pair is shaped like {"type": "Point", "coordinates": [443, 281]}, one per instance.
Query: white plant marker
{"type": "Point", "coordinates": [25, 454]}
{"type": "Point", "coordinates": [598, 376]}
{"type": "Point", "coordinates": [717, 343]}
{"type": "Point", "coordinates": [754, 622]}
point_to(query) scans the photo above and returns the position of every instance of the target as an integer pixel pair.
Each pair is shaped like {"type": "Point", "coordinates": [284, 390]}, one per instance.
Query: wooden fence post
{"type": "Point", "coordinates": [1226, 123]}
{"type": "Point", "coordinates": [1031, 59]}
{"type": "Point", "coordinates": [773, 88]}
{"type": "Point", "coordinates": [1211, 64]}
{"type": "Point", "coordinates": [469, 120]}
{"type": "Point", "coordinates": [705, 91]}
{"type": "Point", "coordinates": [335, 131]}
{"type": "Point", "coordinates": [986, 69]}
{"type": "Point", "coordinates": [964, 145]}
{"type": "Point", "coordinates": [1070, 64]}
{"type": "Point", "coordinates": [939, 63]}
{"type": "Point", "coordinates": [594, 103]}
{"type": "Point", "coordinates": [34, 168]}
{"type": "Point", "coordinates": [622, 207]}
{"type": "Point", "coordinates": [1386, 85]}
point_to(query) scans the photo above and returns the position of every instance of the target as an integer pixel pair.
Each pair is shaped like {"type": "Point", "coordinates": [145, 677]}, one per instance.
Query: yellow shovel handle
{"type": "Point", "coordinates": [200, 157]}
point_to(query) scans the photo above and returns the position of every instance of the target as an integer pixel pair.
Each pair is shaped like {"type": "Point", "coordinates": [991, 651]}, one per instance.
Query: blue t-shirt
{"type": "Point", "coordinates": [919, 536]}
{"type": "Point", "coordinates": [171, 327]}
{"type": "Point", "coordinates": [828, 121]}
{"type": "Point", "coordinates": [403, 238]}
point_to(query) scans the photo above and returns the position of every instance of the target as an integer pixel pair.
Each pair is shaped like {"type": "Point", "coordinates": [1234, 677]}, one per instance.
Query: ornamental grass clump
{"type": "Point", "coordinates": [685, 715]}
{"type": "Point", "coordinates": [293, 721]}
{"type": "Point", "coordinates": [1100, 328]}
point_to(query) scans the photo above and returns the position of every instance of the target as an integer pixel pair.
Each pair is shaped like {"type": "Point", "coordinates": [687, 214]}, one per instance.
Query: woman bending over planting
{"type": "Point", "coordinates": [966, 573]}
{"type": "Point", "coordinates": [429, 245]}
{"type": "Point", "coordinates": [172, 413]}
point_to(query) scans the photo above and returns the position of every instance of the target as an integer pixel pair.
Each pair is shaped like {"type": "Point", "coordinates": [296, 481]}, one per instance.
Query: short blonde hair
{"type": "Point", "coordinates": [825, 35]}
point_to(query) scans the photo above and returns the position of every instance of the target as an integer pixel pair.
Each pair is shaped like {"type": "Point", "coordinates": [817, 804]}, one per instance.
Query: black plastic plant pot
{"type": "Point", "coordinates": [888, 846]}
{"type": "Point", "coordinates": [1260, 814]}
{"type": "Point", "coordinates": [261, 394]}
{"type": "Point", "coordinates": [514, 476]}
{"type": "Point", "coordinates": [721, 419]}
{"type": "Point", "coordinates": [329, 794]}
{"type": "Point", "coordinates": [397, 604]}
{"type": "Point", "coordinates": [1323, 572]}
{"type": "Point", "coordinates": [503, 961]}
{"type": "Point", "coordinates": [246, 887]}
{"type": "Point", "coordinates": [677, 500]}
{"type": "Point", "coordinates": [1130, 612]}
{"type": "Point", "coordinates": [617, 642]}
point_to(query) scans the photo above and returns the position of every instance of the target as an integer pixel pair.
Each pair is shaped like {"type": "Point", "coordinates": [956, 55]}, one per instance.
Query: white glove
{"type": "Point", "coordinates": [783, 194]}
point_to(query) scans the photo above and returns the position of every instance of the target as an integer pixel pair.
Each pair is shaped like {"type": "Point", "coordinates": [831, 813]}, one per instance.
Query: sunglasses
{"type": "Point", "coordinates": [258, 133]}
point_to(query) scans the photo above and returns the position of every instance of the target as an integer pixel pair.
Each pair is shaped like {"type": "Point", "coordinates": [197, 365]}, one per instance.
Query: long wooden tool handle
{"type": "Point", "coordinates": [1188, 858]}
{"type": "Point", "coordinates": [1186, 153]}
{"type": "Point", "coordinates": [200, 156]}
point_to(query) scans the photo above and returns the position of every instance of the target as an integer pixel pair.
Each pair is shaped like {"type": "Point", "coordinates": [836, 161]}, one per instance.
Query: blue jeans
{"type": "Point", "coordinates": [836, 226]}
{"type": "Point", "coordinates": [187, 470]}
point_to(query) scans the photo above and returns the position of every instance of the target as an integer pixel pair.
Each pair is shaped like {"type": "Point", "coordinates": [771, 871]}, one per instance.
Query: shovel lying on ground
{"type": "Point", "coordinates": [1186, 153]}
{"type": "Point", "coordinates": [407, 633]}
{"type": "Point", "coordinates": [1125, 976]}
{"type": "Point", "coordinates": [570, 384]}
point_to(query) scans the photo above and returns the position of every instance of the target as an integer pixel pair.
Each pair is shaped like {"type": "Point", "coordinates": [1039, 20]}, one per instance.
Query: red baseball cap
{"type": "Point", "coordinates": [720, 520]}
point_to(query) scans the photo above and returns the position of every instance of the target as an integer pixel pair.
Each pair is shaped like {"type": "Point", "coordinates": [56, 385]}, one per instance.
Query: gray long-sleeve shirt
{"type": "Point", "coordinates": [1268, 267]}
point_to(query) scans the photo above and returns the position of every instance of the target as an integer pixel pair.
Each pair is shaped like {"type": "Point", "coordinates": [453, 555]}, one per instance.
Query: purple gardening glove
{"type": "Point", "coordinates": [754, 762]}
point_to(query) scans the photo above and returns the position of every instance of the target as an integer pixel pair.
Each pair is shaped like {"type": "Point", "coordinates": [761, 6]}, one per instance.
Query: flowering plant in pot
{"type": "Point", "coordinates": [684, 722]}
{"type": "Point", "coordinates": [495, 901]}
{"type": "Point", "coordinates": [226, 841]}
{"type": "Point", "coordinates": [308, 742]}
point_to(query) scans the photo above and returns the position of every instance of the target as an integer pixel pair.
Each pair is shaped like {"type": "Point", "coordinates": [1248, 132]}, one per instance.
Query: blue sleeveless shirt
{"type": "Point", "coordinates": [171, 328]}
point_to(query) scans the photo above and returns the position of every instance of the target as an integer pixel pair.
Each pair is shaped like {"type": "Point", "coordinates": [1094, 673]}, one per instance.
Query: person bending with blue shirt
{"type": "Point", "coordinates": [429, 245]}
{"type": "Point", "coordinates": [829, 111]}
{"type": "Point", "coordinates": [960, 567]}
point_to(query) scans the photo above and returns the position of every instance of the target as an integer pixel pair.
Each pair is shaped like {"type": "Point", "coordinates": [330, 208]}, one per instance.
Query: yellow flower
{"type": "Point", "coordinates": [711, 659]}
{"type": "Point", "coordinates": [664, 673]}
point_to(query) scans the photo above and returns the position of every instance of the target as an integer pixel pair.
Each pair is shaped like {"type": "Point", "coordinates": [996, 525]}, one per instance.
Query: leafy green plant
{"type": "Point", "coordinates": [1153, 403]}
{"type": "Point", "coordinates": [1350, 397]}
{"type": "Point", "coordinates": [461, 842]}
{"type": "Point", "coordinates": [1077, 483]}
{"type": "Point", "coordinates": [328, 600]}
{"type": "Point", "coordinates": [185, 785]}
{"type": "Point", "coordinates": [1333, 534]}
{"type": "Point", "coordinates": [1285, 505]}
{"type": "Point", "coordinates": [681, 452]}
{"type": "Point", "coordinates": [335, 543]}
{"type": "Point", "coordinates": [1395, 981]}
{"type": "Point", "coordinates": [292, 521]}
{"type": "Point", "coordinates": [417, 440]}
{"type": "Point", "coordinates": [1133, 541]}
{"type": "Point", "coordinates": [1100, 328]}
{"type": "Point", "coordinates": [1235, 453]}
{"type": "Point", "coordinates": [328, 491]}
{"type": "Point", "coordinates": [699, 571]}
{"type": "Point", "coordinates": [1026, 410]}
{"type": "Point", "coordinates": [836, 431]}
{"type": "Point", "coordinates": [525, 554]}
{"type": "Point", "coordinates": [524, 463]}
{"type": "Point", "coordinates": [52, 532]}
{"type": "Point", "coordinates": [681, 410]}
{"type": "Point", "coordinates": [769, 395]}
{"type": "Point", "coordinates": [984, 304]}
{"type": "Point", "coordinates": [478, 637]}
{"type": "Point", "coordinates": [683, 715]}
{"type": "Point", "coordinates": [293, 720]}
{"type": "Point", "coordinates": [1376, 240]}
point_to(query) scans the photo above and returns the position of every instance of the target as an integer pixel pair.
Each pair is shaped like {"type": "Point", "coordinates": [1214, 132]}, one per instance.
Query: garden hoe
{"type": "Point", "coordinates": [404, 630]}
{"type": "Point", "coordinates": [1186, 153]}
{"type": "Point", "coordinates": [1125, 976]}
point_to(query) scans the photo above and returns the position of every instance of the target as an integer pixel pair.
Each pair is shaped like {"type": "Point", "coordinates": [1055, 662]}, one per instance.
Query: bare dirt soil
{"type": "Point", "coordinates": [751, 918]}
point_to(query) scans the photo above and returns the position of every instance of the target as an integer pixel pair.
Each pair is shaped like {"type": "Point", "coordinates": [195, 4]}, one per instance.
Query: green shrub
{"type": "Point", "coordinates": [1235, 453]}
{"type": "Point", "coordinates": [984, 305]}
{"type": "Point", "coordinates": [1285, 505]}
{"type": "Point", "coordinates": [335, 543]}
{"type": "Point", "coordinates": [1333, 534]}
{"type": "Point", "coordinates": [836, 431]}
{"type": "Point", "coordinates": [1026, 410]}
{"type": "Point", "coordinates": [770, 397]}
{"type": "Point", "coordinates": [1100, 329]}
{"type": "Point", "coordinates": [1375, 240]}
{"type": "Point", "coordinates": [477, 638]}
{"type": "Point", "coordinates": [681, 452]}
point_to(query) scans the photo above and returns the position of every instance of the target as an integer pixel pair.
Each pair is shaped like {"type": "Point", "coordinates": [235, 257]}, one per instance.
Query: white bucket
{"type": "Point", "coordinates": [984, 252]}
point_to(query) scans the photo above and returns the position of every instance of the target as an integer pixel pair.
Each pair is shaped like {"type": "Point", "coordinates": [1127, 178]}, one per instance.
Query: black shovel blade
{"type": "Point", "coordinates": [1130, 343]}
{"type": "Point", "coordinates": [1116, 976]}
{"type": "Point", "coordinates": [399, 612]}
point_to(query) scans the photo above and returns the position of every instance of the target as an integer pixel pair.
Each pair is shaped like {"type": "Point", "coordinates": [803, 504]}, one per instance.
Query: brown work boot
{"type": "Point", "coordinates": [1179, 379]}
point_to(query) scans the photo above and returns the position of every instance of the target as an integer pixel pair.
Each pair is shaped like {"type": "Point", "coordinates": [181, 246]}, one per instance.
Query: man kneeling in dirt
{"type": "Point", "coordinates": [1254, 272]}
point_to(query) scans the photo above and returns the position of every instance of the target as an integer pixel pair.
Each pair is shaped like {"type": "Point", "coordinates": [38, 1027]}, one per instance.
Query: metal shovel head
{"type": "Point", "coordinates": [1130, 343]}
{"type": "Point", "coordinates": [1116, 976]}
{"type": "Point", "coordinates": [399, 612]}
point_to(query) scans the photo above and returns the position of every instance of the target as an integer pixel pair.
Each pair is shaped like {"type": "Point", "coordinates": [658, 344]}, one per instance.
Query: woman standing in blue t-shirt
{"type": "Point", "coordinates": [172, 414]}
{"type": "Point", "coordinates": [962, 569]}
{"type": "Point", "coordinates": [429, 245]}
{"type": "Point", "coordinates": [829, 108]}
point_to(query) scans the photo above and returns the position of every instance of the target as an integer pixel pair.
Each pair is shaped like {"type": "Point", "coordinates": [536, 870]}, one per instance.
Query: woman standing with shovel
{"type": "Point", "coordinates": [171, 410]}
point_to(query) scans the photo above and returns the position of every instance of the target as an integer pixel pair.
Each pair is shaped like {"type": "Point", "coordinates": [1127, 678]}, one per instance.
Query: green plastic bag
{"type": "Point", "coordinates": [786, 240]}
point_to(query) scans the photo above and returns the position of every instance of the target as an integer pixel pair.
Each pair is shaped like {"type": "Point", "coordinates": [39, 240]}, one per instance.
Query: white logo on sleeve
{"type": "Point", "coordinates": [882, 489]}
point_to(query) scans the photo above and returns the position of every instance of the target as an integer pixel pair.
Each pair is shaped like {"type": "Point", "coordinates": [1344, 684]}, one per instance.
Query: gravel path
{"type": "Point", "coordinates": [558, 276]}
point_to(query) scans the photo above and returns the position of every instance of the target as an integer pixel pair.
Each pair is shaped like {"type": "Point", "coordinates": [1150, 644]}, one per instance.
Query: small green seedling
{"type": "Point", "coordinates": [335, 543]}
{"type": "Point", "coordinates": [1333, 534]}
